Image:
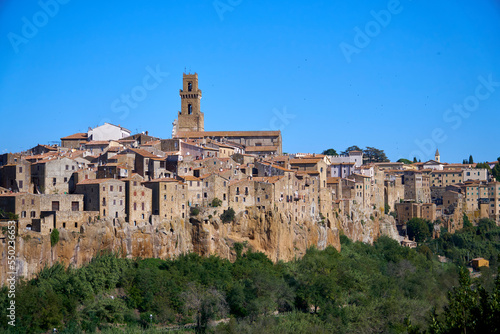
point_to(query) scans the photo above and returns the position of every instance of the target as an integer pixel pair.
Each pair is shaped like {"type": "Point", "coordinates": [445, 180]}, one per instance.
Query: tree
{"type": "Point", "coordinates": [227, 215]}
{"type": "Point", "coordinates": [418, 229]}
{"type": "Point", "coordinates": [471, 160]}
{"type": "Point", "coordinates": [216, 202]}
{"type": "Point", "coordinates": [405, 161]}
{"type": "Point", "coordinates": [330, 151]}
{"type": "Point", "coordinates": [496, 170]}
{"type": "Point", "coordinates": [351, 148]}
{"type": "Point", "coordinates": [467, 222]}
{"type": "Point", "coordinates": [414, 159]}
{"type": "Point", "coordinates": [483, 165]}
{"type": "Point", "coordinates": [54, 237]}
{"type": "Point", "coordinates": [372, 154]}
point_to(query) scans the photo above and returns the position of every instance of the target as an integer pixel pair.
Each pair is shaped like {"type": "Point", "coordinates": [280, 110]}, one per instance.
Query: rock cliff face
{"type": "Point", "coordinates": [272, 233]}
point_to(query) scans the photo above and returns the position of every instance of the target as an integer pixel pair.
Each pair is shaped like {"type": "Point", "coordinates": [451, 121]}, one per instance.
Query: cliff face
{"type": "Point", "coordinates": [271, 233]}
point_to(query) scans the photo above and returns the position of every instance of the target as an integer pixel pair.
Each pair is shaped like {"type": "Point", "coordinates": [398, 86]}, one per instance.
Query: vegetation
{"type": "Point", "coordinates": [406, 161]}
{"type": "Point", "coordinates": [330, 151]}
{"type": "Point", "coordinates": [194, 211]}
{"type": "Point", "coordinates": [227, 215]}
{"type": "Point", "coordinates": [216, 202]}
{"type": "Point", "coordinates": [54, 237]}
{"type": "Point", "coordinates": [364, 288]}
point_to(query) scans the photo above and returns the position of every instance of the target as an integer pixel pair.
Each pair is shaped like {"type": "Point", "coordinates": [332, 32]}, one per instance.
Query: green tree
{"type": "Point", "coordinates": [418, 229]}
{"type": "Point", "coordinates": [372, 154]}
{"type": "Point", "coordinates": [414, 159]}
{"type": "Point", "coordinates": [330, 151]}
{"type": "Point", "coordinates": [227, 215]}
{"type": "Point", "coordinates": [216, 202]}
{"type": "Point", "coordinates": [466, 220]}
{"type": "Point", "coordinates": [460, 314]}
{"type": "Point", "coordinates": [471, 160]}
{"type": "Point", "coordinates": [483, 165]}
{"type": "Point", "coordinates": [54, 237]}
{"type": "Point", "coordinates": [406, 161]}
{"type": "Point", "coordinates": [194, 211]}
{"type": "Point", "coordinates": [351, 148]}
{"type": "Point", "coordinates": [495, 171]}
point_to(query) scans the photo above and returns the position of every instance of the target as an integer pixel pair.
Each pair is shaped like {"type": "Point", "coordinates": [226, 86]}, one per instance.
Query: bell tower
{"type": "Point", "coordinates": [190, 118]}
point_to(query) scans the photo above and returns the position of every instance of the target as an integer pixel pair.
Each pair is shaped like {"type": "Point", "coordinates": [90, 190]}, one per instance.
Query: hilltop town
{"type": "Point", "coordinates": [204, 190]}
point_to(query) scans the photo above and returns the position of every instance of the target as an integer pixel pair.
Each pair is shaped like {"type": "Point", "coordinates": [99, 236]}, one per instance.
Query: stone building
{"type": "Point", "coordinates": [16, 176]}
{"type": "Point", "coordinates": [169, 198]}
{"type": "Point", "coordinates": [408, 210]}
{"type": "Point", "coordinates": [74, 141]}
{"type": "Point", "coordinates": [214, 186]}
{"type": "Point", "coordinates": [417, 186]}
{"type": "Point", "coordinates": [190, 125]}
{"type": "Point", "coordinates": [53, 175]}
{"type": "Point", "coordinates": [107, 196]}
{"type": "Point", "coordinates": [138, 201]}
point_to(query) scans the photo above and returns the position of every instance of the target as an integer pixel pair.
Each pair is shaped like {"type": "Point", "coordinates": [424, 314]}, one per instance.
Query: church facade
{"type": "Point", "coordinates": [190, 125]}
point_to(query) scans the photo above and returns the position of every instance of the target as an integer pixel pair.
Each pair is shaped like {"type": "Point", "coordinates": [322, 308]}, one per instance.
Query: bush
{"type": "Point", "coordinates": [227, 215]}
{"type": "Point", "coordinates": [194, 211]}
{"type": "Point", "coordinates": [54, 237]}
{"type": "Point", "coordinates": [216, 202]}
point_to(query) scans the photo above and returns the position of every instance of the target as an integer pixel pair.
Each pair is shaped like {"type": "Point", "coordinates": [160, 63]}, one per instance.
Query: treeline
{"type": "Point", "coordinates": [362, 289]}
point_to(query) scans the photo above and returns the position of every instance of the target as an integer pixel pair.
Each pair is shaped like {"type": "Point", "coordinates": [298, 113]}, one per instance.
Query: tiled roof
{"type": "Point", "coordinates": [95, 181]}
{"type": "Point", "coordinates": [305, 161]}
{"type": "Point", "coordinates": [97, 143]}
{"type": "Point", "coordinates": [75, 136]}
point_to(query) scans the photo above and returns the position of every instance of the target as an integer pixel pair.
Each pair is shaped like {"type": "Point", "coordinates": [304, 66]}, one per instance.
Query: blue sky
{"type": "Point", "coordinates": [262, 65]}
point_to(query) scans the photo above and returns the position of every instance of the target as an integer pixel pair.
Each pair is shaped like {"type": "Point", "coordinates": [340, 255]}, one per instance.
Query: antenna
{"type": "Point", "coordinates": [184, 69]}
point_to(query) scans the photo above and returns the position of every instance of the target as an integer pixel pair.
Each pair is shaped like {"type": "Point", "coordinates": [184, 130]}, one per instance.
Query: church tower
{"type": "Point", "coordinates": [190, 117]}
{"type": "Point", "coordinates": [437, 157]}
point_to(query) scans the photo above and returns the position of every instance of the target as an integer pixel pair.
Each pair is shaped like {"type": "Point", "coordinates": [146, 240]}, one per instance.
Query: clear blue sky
{"type": "Point", "coordinates": [261, 65]}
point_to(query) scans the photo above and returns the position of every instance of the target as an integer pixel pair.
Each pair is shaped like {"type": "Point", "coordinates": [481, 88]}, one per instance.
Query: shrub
{"type": "Point", "coordinates": [54, 237]}
{"type": "Point", "coordinates": [216, 202]}
{"type": "Point", "coordinates": [227, 215]}
{"type": "Point", "coordinates": [194, 211]}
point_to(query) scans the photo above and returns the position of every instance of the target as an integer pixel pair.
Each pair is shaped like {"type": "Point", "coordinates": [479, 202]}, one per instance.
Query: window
{"type": "Point", "coordinates": [135, 206]}
{"type": "Point", "coordinates": [142, 194]}
{"type": "Point", "coordinates": [103, 188]}
{"type": "Point", "coordinates": [65, 179]}
{"type": "Point", "coordinates": [205, 195]}
{"type": "Point", "coordinates": [224, 197]}
{"type": "Point", "coordinates": [114, 202]}
{"type": "Point", "coordinates": [76, 225]}
{"type": "Point", "coordinates": [206, 184]}
{"type": "Point", "coordinates": [110, 188]}
{"type": "Point", "coordinates": [120, 188]}
{"type": "Point", "coordinates": [64, 225]}
{"type": "Point", "coordinates": [190, 86]}
{"type": "Point", "coordinates": [104, 201]}
{"type": "Point", "coordinates": [198, 183]}
{"type": "Point", "coordinates": [23, 214]}
{"type": "Point", "coordinates": [20, 169]}
{"type": "Point", "coordinates": [22, 201]}
{"type": "Point", "coordinates": [190, 109]}
{"type": "Point", "coordinates": [54, 181]}
{"type": "Point", "coordinates": [135, 183]}
{"type": "Point", "coordinates": [75, 206]}
{"type": "Point", "coordinates": [55, 205]}
{"type": "Point", "coordinates": [33, 214]}
{"type": "Point", "coordinates": [32, 201]}
{"type": "Point", "coordinates": [121, 202]}
{"type": "Point", "coordinates": [73, 168]}
{"type": "Point", "coordinates": [67, 167]}
{"type": "Point", "coordinates": [142, 206]}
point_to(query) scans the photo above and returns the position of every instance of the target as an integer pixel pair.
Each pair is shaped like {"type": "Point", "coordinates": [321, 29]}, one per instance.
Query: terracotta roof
{"type": "Point", "coordinates": [97, 143]}
{"type": "Point", "coordinates": [332, 180]}
{"type": "Point", "coordinates": [78, 136]}
{"type": "Point", "coordinates": [164, 179]}
{"type": "Point", "coordinates": [305, 161]}
{"type": "Point", "coordinates": [145, 153]}
{"type": "Point", "coordinates": [202, 134]}
{"type": "Point", "coordinates": [189, 178]}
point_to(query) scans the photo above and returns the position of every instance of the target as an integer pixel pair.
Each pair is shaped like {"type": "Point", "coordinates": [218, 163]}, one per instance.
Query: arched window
{"type": "Point", "coordinates": [190, 109]}
{"type": "Point", "coordinates": [190, 86]}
